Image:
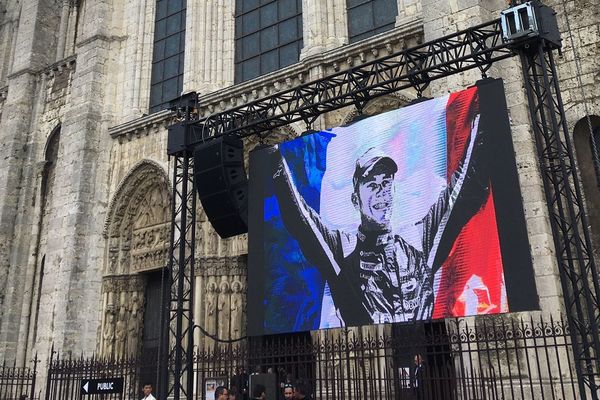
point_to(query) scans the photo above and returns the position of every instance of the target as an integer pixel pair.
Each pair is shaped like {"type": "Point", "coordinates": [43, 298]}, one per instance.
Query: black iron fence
{"type": "Point", "coordinates": [18, 383]}
{"type": "Point", "coordinates": [477, 358]}
{"type": "Point", "coordinates": [66, 376]}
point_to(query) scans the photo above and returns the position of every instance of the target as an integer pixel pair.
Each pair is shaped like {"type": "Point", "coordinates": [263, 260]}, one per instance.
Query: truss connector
{"type": "Point", "coordinates": [530, 22]}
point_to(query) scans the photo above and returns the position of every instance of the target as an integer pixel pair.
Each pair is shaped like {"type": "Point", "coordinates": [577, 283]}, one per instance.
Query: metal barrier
{"type": "Point", "coordinates": [491, 358]}
{"type": "Point", "coordinates": [17, 383]}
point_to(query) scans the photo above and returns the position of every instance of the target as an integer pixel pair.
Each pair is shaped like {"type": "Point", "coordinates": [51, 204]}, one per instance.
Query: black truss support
{"type": "Point", "coordinates": [477, 47]}
{"type": "Point", "coordinates": [568, 219]}
{"type": "Point", "coordinates": [181, 266]}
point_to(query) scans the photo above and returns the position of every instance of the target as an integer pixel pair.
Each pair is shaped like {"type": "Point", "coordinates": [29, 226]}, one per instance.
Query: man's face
{"type": "Point", "coordinates": [288, 393]}
{"type": "Point", "coordinates": [418, 360]}
{"type": "Point", "coordinates": [224, 395]}
{"type": "Point", "coordinates": [147, 389]}
{"type": "Point", "coordinates": [374, 199]}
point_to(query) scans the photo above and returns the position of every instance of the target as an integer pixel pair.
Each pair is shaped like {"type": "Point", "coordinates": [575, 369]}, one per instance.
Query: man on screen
{"type": "Point", "coordinates": [375, 275]}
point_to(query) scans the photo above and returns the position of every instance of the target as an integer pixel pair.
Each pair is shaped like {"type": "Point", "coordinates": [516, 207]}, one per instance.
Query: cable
{"type": "Point", "coordinates": [216, 339]}
{"type": "Point", "coordinates": [583, 96]}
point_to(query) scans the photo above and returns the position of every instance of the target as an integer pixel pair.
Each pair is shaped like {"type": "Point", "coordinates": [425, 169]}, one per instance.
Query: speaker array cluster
{"type": "Point", "coordinates": [222, 185]}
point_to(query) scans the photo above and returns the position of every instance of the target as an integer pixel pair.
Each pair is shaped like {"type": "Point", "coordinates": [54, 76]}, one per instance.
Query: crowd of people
{"type": "Point", "coordinates": [288, 388]}
{"type": "Point", "coordinates": [259, 392]}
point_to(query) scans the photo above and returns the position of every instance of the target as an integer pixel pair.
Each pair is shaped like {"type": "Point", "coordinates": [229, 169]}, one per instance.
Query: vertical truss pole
{"type": "Point", "coordinates": [578, 275]}
{"type": "Point", "coordinates": [181, 266]}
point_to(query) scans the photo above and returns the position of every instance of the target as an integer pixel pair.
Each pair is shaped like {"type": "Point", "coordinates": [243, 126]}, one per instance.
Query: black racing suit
{"type": "Point", "coordinates": [378, 277]}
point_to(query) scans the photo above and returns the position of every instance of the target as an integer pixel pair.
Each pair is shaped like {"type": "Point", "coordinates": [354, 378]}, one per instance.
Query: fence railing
{"type": "Point", "coordinates": [17, 383]}
{"type": "Point", "coordinates": [468, 359]}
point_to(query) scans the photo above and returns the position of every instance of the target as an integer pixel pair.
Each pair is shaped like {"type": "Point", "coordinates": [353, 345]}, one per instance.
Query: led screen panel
{"type": "Point", "coordinates": [414, 214]}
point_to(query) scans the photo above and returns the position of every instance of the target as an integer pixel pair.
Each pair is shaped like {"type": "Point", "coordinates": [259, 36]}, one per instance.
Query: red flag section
{"type": "Point", "coordinates": [471, 280]}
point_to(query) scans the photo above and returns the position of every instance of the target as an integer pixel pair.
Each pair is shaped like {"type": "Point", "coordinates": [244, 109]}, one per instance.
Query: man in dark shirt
{"type": "Point", "coordinates": [375, 275]}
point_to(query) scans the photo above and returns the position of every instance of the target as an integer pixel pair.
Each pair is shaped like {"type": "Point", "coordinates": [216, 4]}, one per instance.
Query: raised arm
{"type": "Point", "coordinates": [466, 192]}
{"type": "Point", "coordinates": [319, 244]}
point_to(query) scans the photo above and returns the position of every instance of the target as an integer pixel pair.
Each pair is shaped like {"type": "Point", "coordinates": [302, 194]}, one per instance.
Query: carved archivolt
{"type": "Point", "coordinates": [378, 106]}
{"type": "Point", "coordinates": [138, 222]}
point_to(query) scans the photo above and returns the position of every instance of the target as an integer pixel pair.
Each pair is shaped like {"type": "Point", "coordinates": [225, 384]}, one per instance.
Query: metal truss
{"type": "Point", "coordinates": [181, 266]}
{"type": "Point", "coordinates": [568, 219]}
{"type": "Point", "coordinates": [477, 47]}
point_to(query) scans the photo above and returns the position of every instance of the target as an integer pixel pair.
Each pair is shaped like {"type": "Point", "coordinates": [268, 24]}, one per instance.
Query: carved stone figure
{"type": "Point", "coordinates": [134, 324]}
{"type": "Point", "coordinates": [223, 307]}
{"type": "Point", "coordinates": [120, 333]}
{"type": "Point", "coordinates": [236, 309]}
{"type": "Point", "coordinates": [211, 305]}
{"type": "Point", "coordinates": [109, 333]}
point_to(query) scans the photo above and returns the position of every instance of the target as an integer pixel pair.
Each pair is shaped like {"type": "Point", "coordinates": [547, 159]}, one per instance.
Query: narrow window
{"type": "Point", "coordinates": [268, 36]}
{"type": "Point", "coordinates": [370, 17]}
{"type": "Point", "coordinates": [167, 58]}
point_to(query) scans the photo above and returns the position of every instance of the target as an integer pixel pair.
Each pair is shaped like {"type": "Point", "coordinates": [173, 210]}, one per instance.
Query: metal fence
{"type": "Point", "coordinates": [67, 375]}
{"type": "Point", "coordinates": [17, 382]}
{"type": "Point", "coordinates": [478, 358]}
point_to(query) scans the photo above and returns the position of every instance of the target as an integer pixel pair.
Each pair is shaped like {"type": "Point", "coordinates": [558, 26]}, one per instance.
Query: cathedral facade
{"type": "Point", "coordinates": [85, 180]}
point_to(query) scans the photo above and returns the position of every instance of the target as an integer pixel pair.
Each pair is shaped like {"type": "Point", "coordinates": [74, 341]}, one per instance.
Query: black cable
{"type": "Point", "coordinates": [216, 339]}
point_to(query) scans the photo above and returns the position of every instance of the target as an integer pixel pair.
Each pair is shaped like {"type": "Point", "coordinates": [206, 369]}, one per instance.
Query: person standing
{"type": "Point", "coordinates": [288, 392]}
{"type": "Point", "coordinates": [259, 392]}
{"type": "Point", "coordinates": [417, 377]}
{"type": "Point", "coordinates": [147, 390]}
{"type": "Point", "coordinates": [221, 393]}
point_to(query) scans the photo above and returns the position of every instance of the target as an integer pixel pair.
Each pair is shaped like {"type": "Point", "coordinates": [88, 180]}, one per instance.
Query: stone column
{"type": "Point", "coordinates": [70, 293]}
{"type": "Point", "coordinates": [34, 48]}
{"type": "Point", "coordinates": [62, 30]}
{"type": "Point", "coordinates": [209, 45]}
{"type": "Point", "coordinates": [325, 25]}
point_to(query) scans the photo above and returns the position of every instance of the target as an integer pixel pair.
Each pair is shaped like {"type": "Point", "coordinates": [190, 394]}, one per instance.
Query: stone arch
{"type": "Point", "coordinates": [378, 106]}
{"type": "Point", "coordinates": [589, 172]}
{"type": "Point", "coordinates": [138, 221]}
{"type": "Point", "coordinates": [137, 236]}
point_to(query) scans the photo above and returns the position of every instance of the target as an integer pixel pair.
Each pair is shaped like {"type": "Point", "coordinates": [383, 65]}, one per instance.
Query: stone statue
{"type": "Point", "coordinates": [223, 302]}
{"type": "Point", "coordinates": [236, 309]}
{"type": "Point", "coordinates": [134, 326]}
{"type": "Point", "coordinates": [109, 333]}
{"type": "Point", "coordinates": [120, 333]}
{"type": "Point", "coordinates": [211, 305]}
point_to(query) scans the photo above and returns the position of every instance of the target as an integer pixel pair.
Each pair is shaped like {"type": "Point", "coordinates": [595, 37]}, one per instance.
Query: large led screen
{"type": "Point", "coordinates": [414, 214]}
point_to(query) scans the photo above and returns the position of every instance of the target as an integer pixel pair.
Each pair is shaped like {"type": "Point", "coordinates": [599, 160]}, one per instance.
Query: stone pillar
{"type": "Point", "coordinates": [70, 293]}
{"type": "Point", "coordinates": [408, 11]}
{"type": "Point", "coordinates": [62, 30]}
{"type": "Point", "coordinates": [325, 25]}
{"type": "Point", "coordinates": [138, 20]}
{"type": "Point", "coordinates": [209, 60]}
{"type": "Point", "coordinates": [34, 48]}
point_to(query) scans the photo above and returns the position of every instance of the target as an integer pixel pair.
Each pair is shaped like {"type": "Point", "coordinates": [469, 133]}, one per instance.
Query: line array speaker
{"type": "Point", "coordinates": [222, 184]}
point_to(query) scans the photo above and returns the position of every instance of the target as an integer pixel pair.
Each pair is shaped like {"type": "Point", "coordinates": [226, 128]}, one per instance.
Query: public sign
{"type": "Point", "coordinates": [102, 386]}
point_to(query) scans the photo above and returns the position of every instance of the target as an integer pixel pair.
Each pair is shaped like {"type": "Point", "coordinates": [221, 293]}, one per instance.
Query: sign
{"type": "Point", "coordinates": [102, 386]}
{"type": "Point", "coordinates": [211, 384]}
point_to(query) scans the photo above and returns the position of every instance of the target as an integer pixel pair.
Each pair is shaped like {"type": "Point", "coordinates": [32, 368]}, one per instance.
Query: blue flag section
{"type": "Point", "coordinates": [294, 286]}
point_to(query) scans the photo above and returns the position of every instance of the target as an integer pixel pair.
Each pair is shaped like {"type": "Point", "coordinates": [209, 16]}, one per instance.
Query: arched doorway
{"type": "Point", "coordinates": [137, 232]}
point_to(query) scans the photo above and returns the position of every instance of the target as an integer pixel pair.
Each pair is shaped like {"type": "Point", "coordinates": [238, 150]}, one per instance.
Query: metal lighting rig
{"type": "Point", "coordinates": [527, 30]}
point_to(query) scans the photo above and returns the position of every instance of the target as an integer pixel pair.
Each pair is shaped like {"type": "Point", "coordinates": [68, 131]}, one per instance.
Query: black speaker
{"type": "Point", "coordinates": [222, 185]}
